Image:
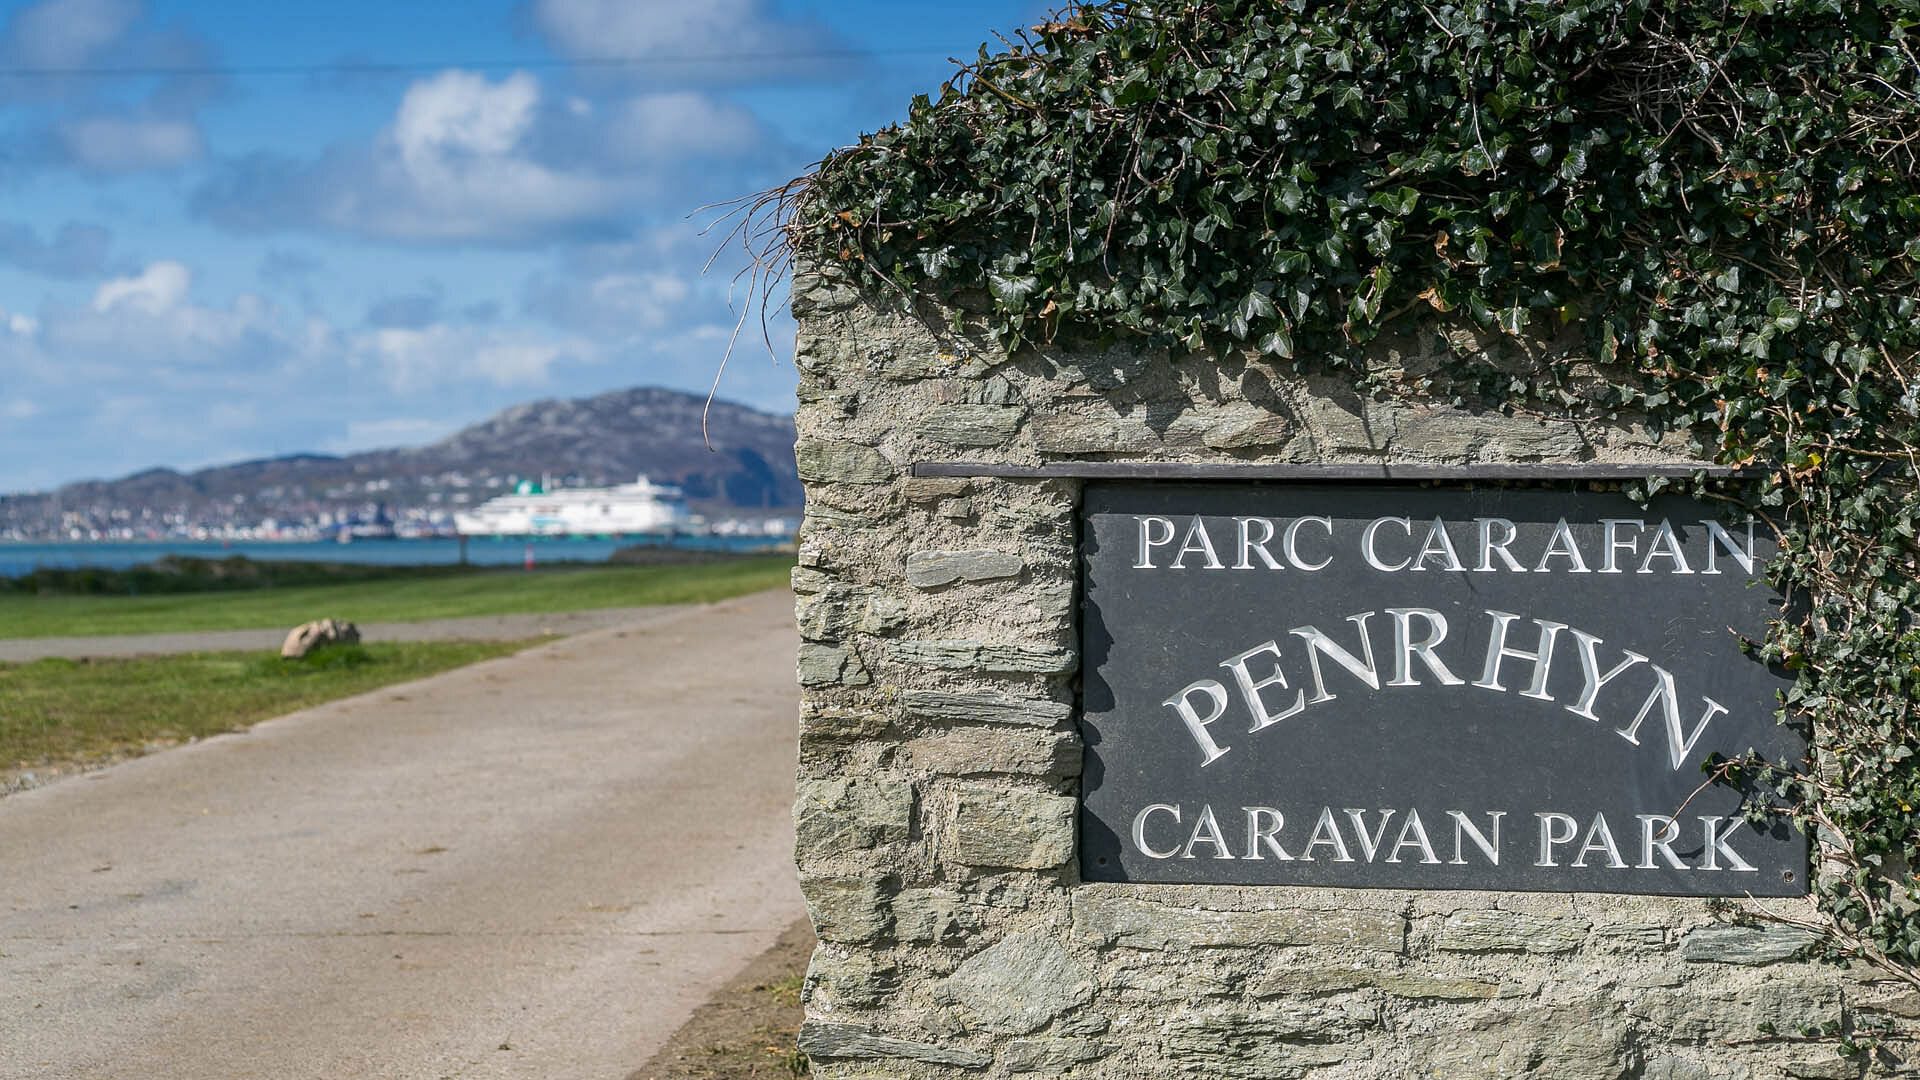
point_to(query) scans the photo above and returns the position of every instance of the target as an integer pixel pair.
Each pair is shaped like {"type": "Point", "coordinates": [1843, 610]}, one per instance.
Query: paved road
{"type": "Point", "coordinates": [479, 628]}
{"type": "Point", "coordinates": [537, 866]}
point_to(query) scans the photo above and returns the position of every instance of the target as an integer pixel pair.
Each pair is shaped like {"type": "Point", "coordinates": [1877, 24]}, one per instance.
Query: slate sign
{"type": "Point", "coordinates": [1450, 687]}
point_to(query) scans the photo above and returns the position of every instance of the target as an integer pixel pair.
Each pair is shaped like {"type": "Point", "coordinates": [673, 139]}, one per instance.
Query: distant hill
{"type": "Point", "coordinates": [596, 441]}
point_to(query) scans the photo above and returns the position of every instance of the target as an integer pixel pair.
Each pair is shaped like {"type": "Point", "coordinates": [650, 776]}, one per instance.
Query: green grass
{"type": "Point", "coordinates": [72, 712]}
{"type": "Point", "coordinates": [488, 592]}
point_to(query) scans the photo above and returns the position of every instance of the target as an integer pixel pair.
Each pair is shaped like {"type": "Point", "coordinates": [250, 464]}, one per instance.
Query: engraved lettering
{"type": "Point", "coordinates": [1182, 703]}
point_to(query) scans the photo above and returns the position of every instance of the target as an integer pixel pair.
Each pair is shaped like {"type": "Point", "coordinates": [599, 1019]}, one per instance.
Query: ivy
{"type": "Point", "coordinates": [1719, 199]}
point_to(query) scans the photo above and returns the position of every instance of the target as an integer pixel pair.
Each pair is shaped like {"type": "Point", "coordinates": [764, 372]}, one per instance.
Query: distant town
{"type": "Point", "coordinates": [737, 479]}
{"type": "Point", "coordinates": [386, 508]}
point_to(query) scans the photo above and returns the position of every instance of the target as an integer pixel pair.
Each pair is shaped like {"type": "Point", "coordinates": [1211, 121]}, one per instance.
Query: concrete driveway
{"type": "Point", "coordinates": [537, 866]}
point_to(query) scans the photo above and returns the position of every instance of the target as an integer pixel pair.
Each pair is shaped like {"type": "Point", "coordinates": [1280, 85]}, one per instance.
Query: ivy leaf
{"type": "Point", "coordinates": [936, 262]}
{"type": "Point", "coordinates": [1012, 291]}
{"type": "Point", "coordinates": [1278, 343]}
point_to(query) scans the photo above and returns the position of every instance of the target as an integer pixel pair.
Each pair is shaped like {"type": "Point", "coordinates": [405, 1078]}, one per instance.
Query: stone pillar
{"type": "Point", "coordinates": [940, 763]}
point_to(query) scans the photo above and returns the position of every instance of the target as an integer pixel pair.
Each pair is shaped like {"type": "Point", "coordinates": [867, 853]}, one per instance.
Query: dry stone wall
{"type": "Point", "coordinates": [940, 764]}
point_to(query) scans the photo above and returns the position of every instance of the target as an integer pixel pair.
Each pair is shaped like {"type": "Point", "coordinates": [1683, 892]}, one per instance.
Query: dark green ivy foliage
{"type": "Point", "coordinates": [1722, 195]}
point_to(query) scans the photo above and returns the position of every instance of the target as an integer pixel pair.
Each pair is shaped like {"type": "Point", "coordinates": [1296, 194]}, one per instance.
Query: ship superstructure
{"type": "Point", "coordinates": [639, 508]}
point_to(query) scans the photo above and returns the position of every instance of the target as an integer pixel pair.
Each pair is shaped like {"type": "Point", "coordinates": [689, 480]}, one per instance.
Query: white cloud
{"type": "Point", "coordinates": [75, 250]}
{"type": "Point", "coordinates": [695, 39]}
{"type": "Point", "coordinates": [457, 159]}
{"type": "Point", "coordinates": [681, 122]}
{"type": "Point", "coordinates": [418, 360]}
{"type": "Point", "coordinates": [157, 289]}
{"type": "Point", "coordinates": [616, 305]}
{"type": "Point", "coordinates": [66, 33]}
{"type": "Point", "coordinates": [110, 143]}
{"type": "Point", "coordinates": [231, 415]}
{"type": "Point", "coordinates": [468, 159]}
{"type": "Point", "coordinates": [461, 111]}
{"type": "Point", "coordinates": [148, 325]}
{"type": "Point", "coordinates": [69, 118]}
{"type": "Point", "coordinates": [394, 431]}
{"type": "Point", "coordinates": [148, 328]}
{"type": "Point", "coordinates": [18, 409]}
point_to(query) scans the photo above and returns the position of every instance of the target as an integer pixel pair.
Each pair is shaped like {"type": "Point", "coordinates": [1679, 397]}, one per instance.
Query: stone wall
{"type": "Point", "coordinates": [940, 763]}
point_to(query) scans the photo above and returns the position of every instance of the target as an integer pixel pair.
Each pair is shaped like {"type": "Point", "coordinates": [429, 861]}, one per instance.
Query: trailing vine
{"type": "Point", "coordinates": [1721, 197]}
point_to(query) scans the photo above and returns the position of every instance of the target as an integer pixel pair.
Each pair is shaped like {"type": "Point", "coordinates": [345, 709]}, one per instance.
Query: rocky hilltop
{"type": "Point", "coordinates": [601, 440]}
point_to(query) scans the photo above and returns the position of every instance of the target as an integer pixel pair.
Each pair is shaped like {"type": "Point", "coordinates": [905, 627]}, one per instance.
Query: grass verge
{"type": "Point", "coordinates": [438, 596]}
{"type": "Point", "coordinates": [61, 714]}
{"type": "Point", "coordinates": [747, 1030]}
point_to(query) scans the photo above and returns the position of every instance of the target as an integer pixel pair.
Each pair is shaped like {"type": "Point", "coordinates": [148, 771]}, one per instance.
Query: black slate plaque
{"type": "Point", "coordinates": [1488, 687]}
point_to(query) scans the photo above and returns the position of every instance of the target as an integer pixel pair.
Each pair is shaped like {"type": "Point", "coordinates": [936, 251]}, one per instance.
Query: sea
{"type": "Point", "coordinates": [22, 558]}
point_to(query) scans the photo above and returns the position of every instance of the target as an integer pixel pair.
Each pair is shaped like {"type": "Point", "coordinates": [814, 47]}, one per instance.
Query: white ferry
{"type": "Point", "coordinates": [641, 507]}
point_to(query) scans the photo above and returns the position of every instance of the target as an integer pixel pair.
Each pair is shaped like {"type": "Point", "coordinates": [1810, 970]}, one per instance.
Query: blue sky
{"type": "Point", "coordinates": [232, 229]}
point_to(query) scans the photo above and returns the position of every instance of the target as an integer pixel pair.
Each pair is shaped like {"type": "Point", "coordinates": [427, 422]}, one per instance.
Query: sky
{"type": "Point", "coordinates": [232, 229]}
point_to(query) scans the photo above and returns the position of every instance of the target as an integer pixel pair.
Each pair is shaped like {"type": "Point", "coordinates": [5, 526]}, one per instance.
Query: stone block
{"type": "Point", "coordinates": [815, 294]}
{"type": "Point", "coordinates": [933, 569]}
{"type": "Point", "coordinates": [1083, 1023]}
{"type": "Point", "coordinates": [931, 915]}
{"type": "Point", "coordinates": [1342, 423]}
{"type": "Point", "coordinates": [819, 721]}
{"type": "Point", "coordinates": [1492, 930]}
{"type": "Point", "coordinates": [1008, 752]}
{"type": "Point", "coordinates": [1581, 1041]}
{"type": "Point", "coordinates": [1189, 980]}
{"type": "Point", "coordinates": [895, 364]}
{"type": "Point", "coordinates": [844, 815]}
{"type": "Point", "coordinates": [850, 907]}
{"type": "Point", "coordinates": [1671, 1067]}
{"type": "Point", "coordinates": [1825, 1067]}
{"type": "Point", "coordinates": [830, 665]}
{"type": "Point", "coordinates": [1050, 1054]}
{"type": "Point", "coordinates": [806, 580]}
{"type": "Point", "coordinates": [1745, 944]}
{"type": "Point", "coordinates": [1142, 924]}
{"type": "Point", "coordinates": [945, 708]}
{"type": "Point", "coordinates": [858, 979]}
{"type": "Point", "coordinates": [1290, 980]}
{"type": "Point", "coordinates": [1075, 433]}
{"type": "Point", "coordinates": [992, 390]}
{"type": "Point", "coordinates": [821, 516]}
{"type": "Point", "coordinates": [841, 610]}
{"type": "Point", "coordinates": [1248, 428]}
{"type": "Point", "coordinates": [1014, 829]}
{"type": "Point", "coordinates": [933, 489]}
{"type": "Point", "coordinates": [1456, 434]}
{"type": "Point", "coordinates": [1905, 1005]}
{"type": "Point", "coordinates": [837, 461]}
{"type": "Point", "coordinates": [1238, 1045]}
{"type": "Point", "coordinates": [1431, 988]}
{"type": "Point", "coordinates": [1048, 519]}
{"type": "Point", "coordinates": [1774, 1008]}
{"type": "Point", "coordinates": [1629, 938]}
{"type": "Point", "coordinates": [830, 1042]}
{"type": "Point", "coordinates": [966, 654]}
{"type": "Point", "coordinates": [1021, 982]}
{"type": "Point", "coordinates": [826, 401]}
{"type": "Point", "coordinates": [971, 425]}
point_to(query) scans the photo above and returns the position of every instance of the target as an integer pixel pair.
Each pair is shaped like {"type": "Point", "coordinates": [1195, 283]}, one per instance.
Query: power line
{"type": "Point", "coordinates": [410, 67]}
